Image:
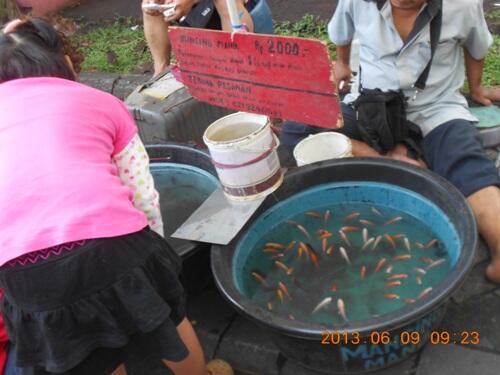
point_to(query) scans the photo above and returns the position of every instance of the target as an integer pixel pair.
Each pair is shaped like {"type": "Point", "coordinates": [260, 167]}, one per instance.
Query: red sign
{"type": "Point", "coordinates": [281, 77]}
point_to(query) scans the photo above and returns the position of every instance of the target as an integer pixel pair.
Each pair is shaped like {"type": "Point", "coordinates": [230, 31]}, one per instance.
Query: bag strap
{"type": "Point", "coordinates": [436, 23]}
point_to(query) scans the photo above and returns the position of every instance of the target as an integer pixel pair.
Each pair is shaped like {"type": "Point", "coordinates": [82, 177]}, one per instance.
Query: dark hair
{"type": "Point", "coordinates": [36, 49]}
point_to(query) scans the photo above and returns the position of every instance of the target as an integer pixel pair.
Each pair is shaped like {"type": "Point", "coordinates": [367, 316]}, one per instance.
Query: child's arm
{"type": "Point", "coordinates": [133, 169]}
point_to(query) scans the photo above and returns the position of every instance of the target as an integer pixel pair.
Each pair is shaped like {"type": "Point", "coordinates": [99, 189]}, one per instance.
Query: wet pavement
{"type": "Point", "coordinates": [224, 334]}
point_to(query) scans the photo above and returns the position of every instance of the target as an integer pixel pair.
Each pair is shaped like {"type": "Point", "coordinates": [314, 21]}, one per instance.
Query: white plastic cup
{"type": "Point", "coordinates": [322, 146]}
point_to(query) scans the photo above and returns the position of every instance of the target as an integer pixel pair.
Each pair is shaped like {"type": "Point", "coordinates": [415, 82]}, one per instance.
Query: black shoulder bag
{"type": "Point", "coordinates": [381, 116]}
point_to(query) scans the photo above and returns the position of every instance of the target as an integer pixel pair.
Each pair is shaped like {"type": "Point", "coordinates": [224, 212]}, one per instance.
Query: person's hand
{"type": "Point", "coordinates": [342, 74]}
{"type": "Point", "coordinates": [154, 12]}
{"type": "Point", "coordinates": [182, 8]}
{"type": "Point", "coordinates": [400, 152]}
{"type": "Point", "coordinates": [485, 96]}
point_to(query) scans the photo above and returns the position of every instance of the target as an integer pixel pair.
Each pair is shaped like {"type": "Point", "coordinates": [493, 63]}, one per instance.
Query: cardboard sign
{"type": "Point", "coordinates": [281, 77]}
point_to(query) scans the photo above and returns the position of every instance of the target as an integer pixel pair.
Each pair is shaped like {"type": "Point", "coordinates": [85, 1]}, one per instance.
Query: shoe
{"type": "Point", "coordinates": [219, 367]}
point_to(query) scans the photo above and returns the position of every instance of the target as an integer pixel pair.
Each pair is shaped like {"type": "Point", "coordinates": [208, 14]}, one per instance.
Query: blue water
{"type": "Point", "coordinates": [182, 188]}
{"type": "Point", "coordinates": [309, 284]}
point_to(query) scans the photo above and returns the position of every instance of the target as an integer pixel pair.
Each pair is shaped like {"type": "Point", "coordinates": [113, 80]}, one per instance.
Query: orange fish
{"type": "Point", "coordinates": [291, 245]}
{"type": "Point", "coordinates": [397, 236]}
{"type": "Point", "coordinates": [380, 264]}
{"type": "Point", "coordinates": [324, 244]}
{"type": "Point", "coordinates": [362, 272]}
{"type": "Point", "coordinates": [349, 228]}
{"type": "Point", "coordinates": [399, 276]}
{"type": "Point", "coordinates": [257, 276]}
{"type": "Point", "coordinates": [391, 296]}
{"type": "Point", "coordinates": [401, 257]}
{"type": "Point", "coordinates": [284, 267]}
{"type": "Point", "coordinates": [393, 221]}
{"type": "Point", "coordinates": [392, 284]}
{"type": "Point", "coordinates": [419, 245]}
{"type": "Point", "coordinates": [274, 245]}
{"type": "Point", "coordinates": [376, 212]}
{"type": "Point", "coordinates": [284, 289]}
{"type": "Point", "coordinates": [390, 240]}
{"type": "Point", "coordinates": [313, 257]}
{"type": "Point", "coordinates": [409, 301]}
{"type": "Point", "coordinates": [325, 235]}
{"type": "Point", "coordinates": [427, 260]}
{"type": "Point", "coordinates": [351, 216]}
{"type": "Point", "coordinates": [334, 287]}
{"type": "Point", "coordinates": [367, 222]}
{"type": "Point", "coordinates": [280, 294]}
{"type": "Point", "coordinates": [377, 241]}
{"type": "Point", "coordinates": [431, 243]}
{"type": "Point", "coordinates": [271, 250]}
{"type": "Point", "coordinates": [314, 214]}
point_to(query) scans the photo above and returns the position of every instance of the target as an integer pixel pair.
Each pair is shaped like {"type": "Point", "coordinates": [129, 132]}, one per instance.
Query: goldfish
{"type": "Point", "coordinates": [401, 257]}
{"type": "Point", "coordinates": [257, 276]}
{"type": "Point", "coordinates": [344, 238]}
{"type": "Point", "coordinates": [368, 243]}
{"type": "Point", "coordinates": [284, 267]}
{"type": "Point", "coordinates": [313, 256]}
{"type": "Point", "coordinates": [362, 272]}
{"type": "Point", "coordinates": [349, 228]}
{"type": "Point", "coordinates": [377, 241]}
{"type": "Point", "coordinates": [410, 300]}
{"type": "Point", "coordinates": [314, 214]}
{"type": "Point", "coordinates": [280, 294]}
{"type": "Point", "coordinates": [343, 253]}
{"type": "Point", "coordinates": [431, 243]}
{"type": "Point", "coordinates": [398, 236]}
{"type": "Point", "coordinates": [284, 289]}
{"type": "Point", "coordinates": [270, 306]}
{"type": "Point", "coordinates": [419, 280]}
{"type": "Point", "coordinates": [274, 245]}
{"type": "Point", "coordinates": [392, 284]}
{"type": "Point", "coordinates": [376, 212]}
{"type": "Point", "coordinates": [326, 216]}
{"type": "Point", "coordinates": [420, 270]}
{"type": "Point", "coordinates": [341, 308]}
{"type": "Point", "coordinates": [291, 245]}
{"type": "Point", "coordinates": [380, 264]}
{"type": "Point", "coordinates": [391, 296]}
{"type": "Point", "coordinates": [299, 227]}
{"type": "Point", "coordinates": [424, 293]}
{"type": "Point", "coordinates": [399, 276]}
{"type": "Point", "coordinates": [427, 260]}
{"type": "Point", "coordinates": [393, 221]}
{"type": "Point", "coordinates": [324, 244]}
{"type": "Point", "coordinates": [389, 239]}
{"type": "Point", "coordinates": [419, 245]}
{"type": "Point", "coordinates": [436, 263]}
{"type": "Point", "coordinates": [271, 250]}
{"type": "Point", "coordinates": [365, 235]}
{"type": "Point", "coordinates": [330, 249]}
{"type": "Point", "coordinates": [351, 216]}
{"type": "Point", "coordinates": [277, 256]}
{"type": "Point", "coordinates": [389, 268]}
{"type": "Point", "coordinates": [367, 222]}
{"type": "Point", "coordinates": [407, 244]}
{"type": "Point", "coordinates": [334, 287]}
{"type": "Point", "coordinates": [322, 304]}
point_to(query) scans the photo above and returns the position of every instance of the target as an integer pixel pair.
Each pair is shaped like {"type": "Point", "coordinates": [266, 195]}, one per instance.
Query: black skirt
{"type": "Point", "coordinates": [88, 310]}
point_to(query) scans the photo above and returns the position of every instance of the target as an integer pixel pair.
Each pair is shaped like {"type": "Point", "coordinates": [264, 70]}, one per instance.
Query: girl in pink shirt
{"type": "Point", "coordinates": [88, 280]}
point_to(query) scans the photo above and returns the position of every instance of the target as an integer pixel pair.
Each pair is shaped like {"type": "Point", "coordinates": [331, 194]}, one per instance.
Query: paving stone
{"type": "Point", "coordinates": [403, 368]}
{"type": "Point", "coordinates": [457, 360]}
{"type": "Point", "coordinates": [126, 84]}
{"type": "Point", "coordinates": [482, 253]}
{"type": "Point", "coordinates": [101, 81]}
{"type": "Point", "coordinates": [480, 314]}
{"type": "Point", "coordinates": [475, 284]}
{"type": "Point", "coordinates": [211, 316]}
{"type": "Point", "coordinates": [246, 346]}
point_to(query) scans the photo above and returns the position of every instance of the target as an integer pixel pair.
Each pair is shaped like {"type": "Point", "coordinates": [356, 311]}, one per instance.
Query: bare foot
{"type": "Point", "coordinates": [493, 271]}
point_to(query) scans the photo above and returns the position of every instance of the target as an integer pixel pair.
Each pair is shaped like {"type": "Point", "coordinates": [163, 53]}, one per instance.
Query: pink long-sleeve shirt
{"type": "Point", "coordinates": [58, 182]}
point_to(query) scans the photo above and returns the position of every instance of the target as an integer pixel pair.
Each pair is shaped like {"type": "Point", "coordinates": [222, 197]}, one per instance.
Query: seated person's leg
{"type": "Point", "coordinates": [221, 7]}
{"type": "Point", "coordinates": [453, 151]}
{"type": "Point", "coordinates": [156, 32]}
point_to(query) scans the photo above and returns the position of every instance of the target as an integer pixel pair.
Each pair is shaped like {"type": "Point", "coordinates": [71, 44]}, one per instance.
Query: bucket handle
{"type": "Point", "coordinates": [274, 145]}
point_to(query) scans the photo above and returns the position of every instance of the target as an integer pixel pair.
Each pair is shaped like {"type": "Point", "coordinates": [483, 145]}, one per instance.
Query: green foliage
{"type": "Point", "coordinates": [308, 26]}
{"type": "Point", "coordinates": [118, 48]}
{"type": "Point", "coordinates": [491, 75]}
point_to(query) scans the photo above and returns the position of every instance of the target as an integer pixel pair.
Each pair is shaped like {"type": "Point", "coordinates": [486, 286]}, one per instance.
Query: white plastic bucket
{"type": "Point", "coordinates": [243, 150]}
{"type": "Point", "coordinates": [322, 146]}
